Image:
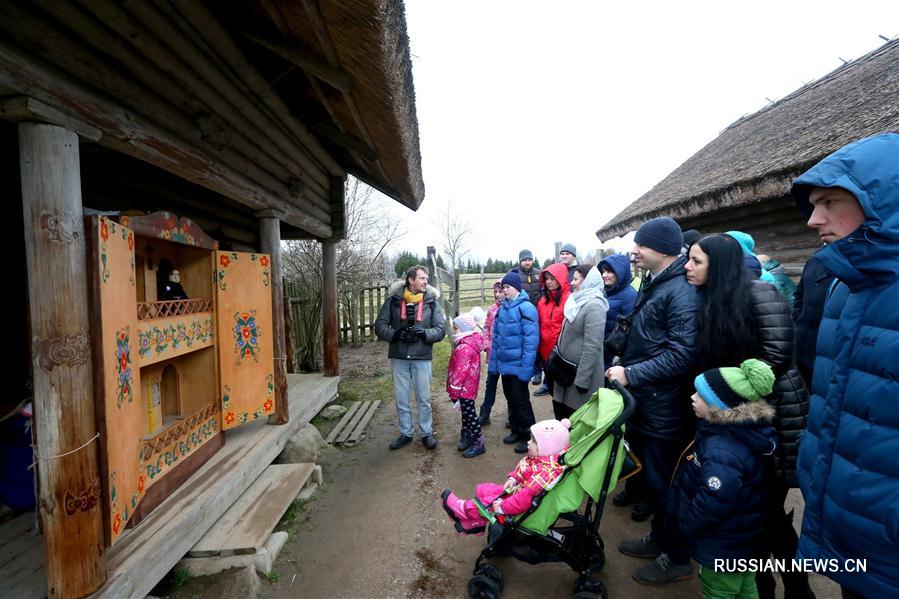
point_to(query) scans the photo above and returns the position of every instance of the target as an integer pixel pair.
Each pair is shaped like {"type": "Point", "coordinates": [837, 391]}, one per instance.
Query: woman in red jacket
{"type": "Point", "coordinates": [554, 291]}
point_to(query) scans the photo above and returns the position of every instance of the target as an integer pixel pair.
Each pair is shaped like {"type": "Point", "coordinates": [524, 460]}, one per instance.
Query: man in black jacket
{"type": "Point", "coordinates": [411, 320]}
{"type": "Point", "coordinates": [656, 365]}
{"type": "Point", "coordinates": [808, 310]}
{"type": "Point", "coordinates": [530, 284]}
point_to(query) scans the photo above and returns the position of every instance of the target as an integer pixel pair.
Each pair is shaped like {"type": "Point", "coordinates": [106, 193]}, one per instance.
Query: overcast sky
{"type": "Point", "coordinates": [540, 121]}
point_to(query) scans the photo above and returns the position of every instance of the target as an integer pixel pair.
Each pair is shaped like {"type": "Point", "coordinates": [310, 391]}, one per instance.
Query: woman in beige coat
{"type": "Point", "coordinates": [581, 340]}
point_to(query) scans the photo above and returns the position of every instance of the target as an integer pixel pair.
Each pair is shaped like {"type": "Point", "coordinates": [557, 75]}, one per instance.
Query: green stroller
{"type": "Point", "coordinates": [554, 528]}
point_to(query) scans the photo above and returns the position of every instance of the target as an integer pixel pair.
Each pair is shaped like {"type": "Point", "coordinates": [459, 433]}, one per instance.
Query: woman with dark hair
{"type": "Point", "coordinates": [553, 293]}
{"type": "Point", "coordinates": [742, 318]}
{"type": "Point", "coordinates": [581, 340]}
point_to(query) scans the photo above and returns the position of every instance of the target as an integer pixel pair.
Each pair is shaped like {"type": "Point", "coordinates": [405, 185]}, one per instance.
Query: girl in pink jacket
{"type": "Point", "coordinates": [538, 470]}
{"type": "Point", "coordinates": [464, 376]}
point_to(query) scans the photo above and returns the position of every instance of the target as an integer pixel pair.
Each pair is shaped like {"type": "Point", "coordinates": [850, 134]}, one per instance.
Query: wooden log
{"type": "Point", "coordinates": [270, 237]}
{"type": "Point", "coordinates": [333, 76]}
{"type": "Point", "coordinates": [160, 71]}
{"type": "Point", "coordinates": [221, 94]}
{"type": "Point", "coordinates": [136, 136]}
{"type": "Point", "coordinates": [288, 327]}
{"type": "Point", "coordinates": [23, 108]}
{"type": "Point", "coordinates": [69, 489]}
{"type": "Point", "coordinates": [347, 141]}
{"type": "Point", "coordinates": [362, 322]}
{"type": "Point", "coordinates": [330, 341]}
{"type": "Point", "coordinates": [217, 37]}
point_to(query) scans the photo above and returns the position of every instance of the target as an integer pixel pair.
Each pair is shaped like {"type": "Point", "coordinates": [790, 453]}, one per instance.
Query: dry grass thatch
{"type": "Point", "coordinates": [757, 157]}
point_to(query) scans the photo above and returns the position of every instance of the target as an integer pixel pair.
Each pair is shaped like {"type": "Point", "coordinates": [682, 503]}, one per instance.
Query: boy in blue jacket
{"type": "Point", "coordinates": [516, 336]}
{"type": "Point", "coordinates": [716, 499]}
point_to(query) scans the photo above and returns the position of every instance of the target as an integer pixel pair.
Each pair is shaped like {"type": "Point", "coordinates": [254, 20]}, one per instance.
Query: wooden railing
{"type": "Point", "coordinates": [151, 310]}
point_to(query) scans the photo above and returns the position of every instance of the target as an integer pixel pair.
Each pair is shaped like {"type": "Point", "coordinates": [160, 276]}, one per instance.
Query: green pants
{"type": "Point", "coordinates": [724, 585]}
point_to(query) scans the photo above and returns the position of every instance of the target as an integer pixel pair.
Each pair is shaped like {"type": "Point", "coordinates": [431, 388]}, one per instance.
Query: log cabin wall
{"type": "Point", "coordinates": [777, 226]}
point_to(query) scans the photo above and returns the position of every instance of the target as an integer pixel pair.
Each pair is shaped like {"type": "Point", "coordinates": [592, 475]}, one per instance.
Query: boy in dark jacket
{"type": "Point", "coordinates": [716, 500]}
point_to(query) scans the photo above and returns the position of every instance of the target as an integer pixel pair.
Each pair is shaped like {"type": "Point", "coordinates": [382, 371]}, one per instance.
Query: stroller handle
{"type": "Point", "coordinates": [630, 404]}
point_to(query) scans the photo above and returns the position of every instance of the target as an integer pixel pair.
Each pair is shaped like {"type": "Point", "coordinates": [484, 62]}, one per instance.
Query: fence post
{"type": "Point", "coordinates": [483, 295]}
{"type": "Point", "coordinates": [456, 292]}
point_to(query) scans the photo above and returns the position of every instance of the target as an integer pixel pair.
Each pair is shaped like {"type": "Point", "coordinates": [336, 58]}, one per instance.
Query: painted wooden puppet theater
{"type": "Point", "coordinates": [182, 351]}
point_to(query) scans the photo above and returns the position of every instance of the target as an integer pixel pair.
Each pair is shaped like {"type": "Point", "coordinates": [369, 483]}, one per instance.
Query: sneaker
{"type": "Point", "coordinates": [464, 442]}
{"type": "Point", "coordinates": [622, 499]}
{"type": "Point", "coordinates": [536, 379]}
{"type": "Point", "coordinates": [429, 441]}
{"type": "Point", "coordinates": [641, 512]}
{"type": "Point", "coordinates": [511, 438]}
{"type": "Point", "coordinates": [662, 571]}
{"type": "Point", "coordinates": [400, 441]}
{"type": "Point", "coordinates": [645, 548]}
{"type": "Point", "coordinates": [522, 447]}
{"type": "Point", "coordinates": [477, 448]}
{"type": "Point", "coordinates": [484, 419]}
{"type": "Point", "coordinates": [543, 390]}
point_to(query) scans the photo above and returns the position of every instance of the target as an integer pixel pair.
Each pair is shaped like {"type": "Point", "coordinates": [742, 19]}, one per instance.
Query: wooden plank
{"type": "Point", "coordinates": [270, 236]}
{"type": "Point", "coordinates": [360, 428]}
{"type": "Point", "coordinates": [26, 575]}
{"type": "Point", "coordinates": [330, 340]}
{"type": "Point", "coordinates": [345, 433]}
{"type": "Point", "coordinates": [247, 524]}
{"type": "Point", "coordinates": [23, 108]}
{"type": "Point", "coordinates": [343, 421]}
{"type": "Point", "coordinates": [144, 555]}
{"type": "Point", "coordinates": [65, 427]}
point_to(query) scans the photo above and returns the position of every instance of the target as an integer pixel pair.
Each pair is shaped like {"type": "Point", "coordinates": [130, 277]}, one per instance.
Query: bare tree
{"type": "Point", "coordinates": [455, 234]}
{"type": "Point", "coordinates": [360, 262]}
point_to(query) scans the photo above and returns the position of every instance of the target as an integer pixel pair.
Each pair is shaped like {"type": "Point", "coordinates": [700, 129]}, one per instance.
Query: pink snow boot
{"type": "Point", "coordinates": [462, 520]}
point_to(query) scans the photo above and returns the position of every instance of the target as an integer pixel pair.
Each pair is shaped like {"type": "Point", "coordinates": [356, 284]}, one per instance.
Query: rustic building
{"type": "Point", "coordinates": [741, 180]}
{"type": "Point", "coordinates": [143, 138]}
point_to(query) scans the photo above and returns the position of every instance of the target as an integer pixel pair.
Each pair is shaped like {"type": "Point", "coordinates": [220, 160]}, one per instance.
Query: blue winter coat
{"type": "Point", "coordinates": [716, 499]}
{"type": "Point", "coordinates": [848, 468]}
{"type": "Point", "coordinates": [621, 297]}
{"type": "Point", "coordinates": [516, 336]}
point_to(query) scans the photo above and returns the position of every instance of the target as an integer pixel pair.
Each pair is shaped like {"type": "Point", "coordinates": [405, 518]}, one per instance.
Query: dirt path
{"type": "Point", "coordinates": [376, 528]}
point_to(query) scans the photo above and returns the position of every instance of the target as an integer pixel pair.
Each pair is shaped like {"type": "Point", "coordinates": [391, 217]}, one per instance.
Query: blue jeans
{"type": "Point", "coordinates": [409, 375]}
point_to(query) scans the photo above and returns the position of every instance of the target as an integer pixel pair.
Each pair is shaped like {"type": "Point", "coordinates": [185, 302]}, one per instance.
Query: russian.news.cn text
{"type": "Point", "coordinates": [808, 566]}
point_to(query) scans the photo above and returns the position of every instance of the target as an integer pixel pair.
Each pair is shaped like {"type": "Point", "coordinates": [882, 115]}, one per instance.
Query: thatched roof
{"type": "Point", "coordinates": [757, 157]}
{"type": "Point", "coordinates": [370, 125]}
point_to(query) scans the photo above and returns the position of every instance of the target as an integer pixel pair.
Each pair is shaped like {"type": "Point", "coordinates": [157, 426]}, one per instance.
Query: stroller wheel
{"type": "Point", "coordinates": [590, 588]}
{"type": "Point", "coordinates": [483, 587]}
{"type": "Point", "coordinates": [490, 571]}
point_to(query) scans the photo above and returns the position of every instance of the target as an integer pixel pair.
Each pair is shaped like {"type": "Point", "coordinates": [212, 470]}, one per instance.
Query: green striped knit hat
{"type": "Point", "coordinates": [726, 388]}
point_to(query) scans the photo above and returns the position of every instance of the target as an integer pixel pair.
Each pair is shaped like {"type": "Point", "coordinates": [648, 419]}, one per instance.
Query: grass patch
{"type": "Point", "coordinates": [290, 520]}
{"type": "Point", "coordinates": [273, 576]}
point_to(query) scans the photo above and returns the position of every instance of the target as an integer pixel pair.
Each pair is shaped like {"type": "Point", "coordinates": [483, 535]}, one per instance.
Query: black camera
{"type": "Point", "coordinates": [410, 314]}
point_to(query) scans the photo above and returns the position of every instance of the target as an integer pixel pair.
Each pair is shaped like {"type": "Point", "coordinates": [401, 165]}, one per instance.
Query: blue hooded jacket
{"type": "Point", "coordinates": [622, 296]}
{"type": "Point", "coordinates": [516, 336]}
{"type": "Point", "coordinates": [848, 468]}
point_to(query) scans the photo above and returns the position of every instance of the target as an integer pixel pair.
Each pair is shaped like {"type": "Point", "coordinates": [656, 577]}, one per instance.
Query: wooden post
{"type": "Point", "coordinates": [69, 490]}
{"type": "Point", "coordinates": [329, 308]}
{"type": "Point", "coordinates": [483, 279]}
{"type": "Point", "coordinates": [288, 326]}
{"type": "Point", "coordinates": [270, 236]}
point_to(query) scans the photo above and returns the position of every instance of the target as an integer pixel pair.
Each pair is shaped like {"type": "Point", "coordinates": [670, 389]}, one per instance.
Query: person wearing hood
{"type": "Point", "coordinates": [463, 376]}
{"type": "Point", "coordinates": [617, 277]}
{"type": "Point", "coordinates": [554, 282]}
{"type": "Point", "coordinates": [656, 365]}
{"type": "Point", "coordinates": [847, 469]}
{"type": "Point", "coordinates": [411, 321]}
{"type": "Point", "coordinates": [580, 340]}
{"type": "Point", "coordinates": [516, 336]}
{"type": "Point", "coordinates": [782, 282]}
{"type": "Point", "coordinates": [749, 258]}
{"type": "Point", "coordinates": [716, 498]}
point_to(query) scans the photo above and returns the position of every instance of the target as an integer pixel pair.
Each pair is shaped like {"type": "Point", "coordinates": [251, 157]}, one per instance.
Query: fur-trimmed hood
{"type": "Point", "coordinates": [396, 288]}
{"type": "Point", "coordinates": [748, 411]}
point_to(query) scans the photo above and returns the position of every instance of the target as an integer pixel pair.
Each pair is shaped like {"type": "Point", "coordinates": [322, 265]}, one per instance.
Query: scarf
{"type": "Point", "coordinates": [412, 298]}
{"type": "Point", "coordinates": [590, 287]}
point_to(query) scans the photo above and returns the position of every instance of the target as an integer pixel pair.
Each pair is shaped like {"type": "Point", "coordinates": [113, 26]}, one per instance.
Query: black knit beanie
{"type": "Point", "coordinates": [661, 234]}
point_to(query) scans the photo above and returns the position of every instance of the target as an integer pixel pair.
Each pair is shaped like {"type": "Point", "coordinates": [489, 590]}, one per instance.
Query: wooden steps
{"type": "Point", "coordinates": [249, 522]}
{"type": "Point", "coordinates": [351, 428]}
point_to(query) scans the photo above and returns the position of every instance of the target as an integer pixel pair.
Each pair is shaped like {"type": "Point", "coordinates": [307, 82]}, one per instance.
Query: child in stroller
{"type": "Point", "coordinates": [562, 522]}
{"type": "Point", "coordinates": [537, 471]}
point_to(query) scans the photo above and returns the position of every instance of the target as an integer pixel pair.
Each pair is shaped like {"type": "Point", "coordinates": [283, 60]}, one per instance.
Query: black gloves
{"type": "Point", "coordinates": [581, 390]}
{"type": "Point", "coordinates": [398, 335]}
{"type": "Point", "coordinates": [418, 331]}
{"type": "Point", "coordinates": [409, 334]}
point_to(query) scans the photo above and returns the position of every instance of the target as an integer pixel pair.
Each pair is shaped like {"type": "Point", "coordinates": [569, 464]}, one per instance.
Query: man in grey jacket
{"type": "Point", "coordinates": [411, 320]}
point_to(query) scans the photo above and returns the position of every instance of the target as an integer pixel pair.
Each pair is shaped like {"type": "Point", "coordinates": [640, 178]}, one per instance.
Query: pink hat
{"type": "Point", "coordinates": [551, 436]}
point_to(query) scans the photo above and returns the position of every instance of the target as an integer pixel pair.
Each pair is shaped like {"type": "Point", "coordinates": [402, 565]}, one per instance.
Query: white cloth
{"type": "Point", "coordinates": [590, 287]}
